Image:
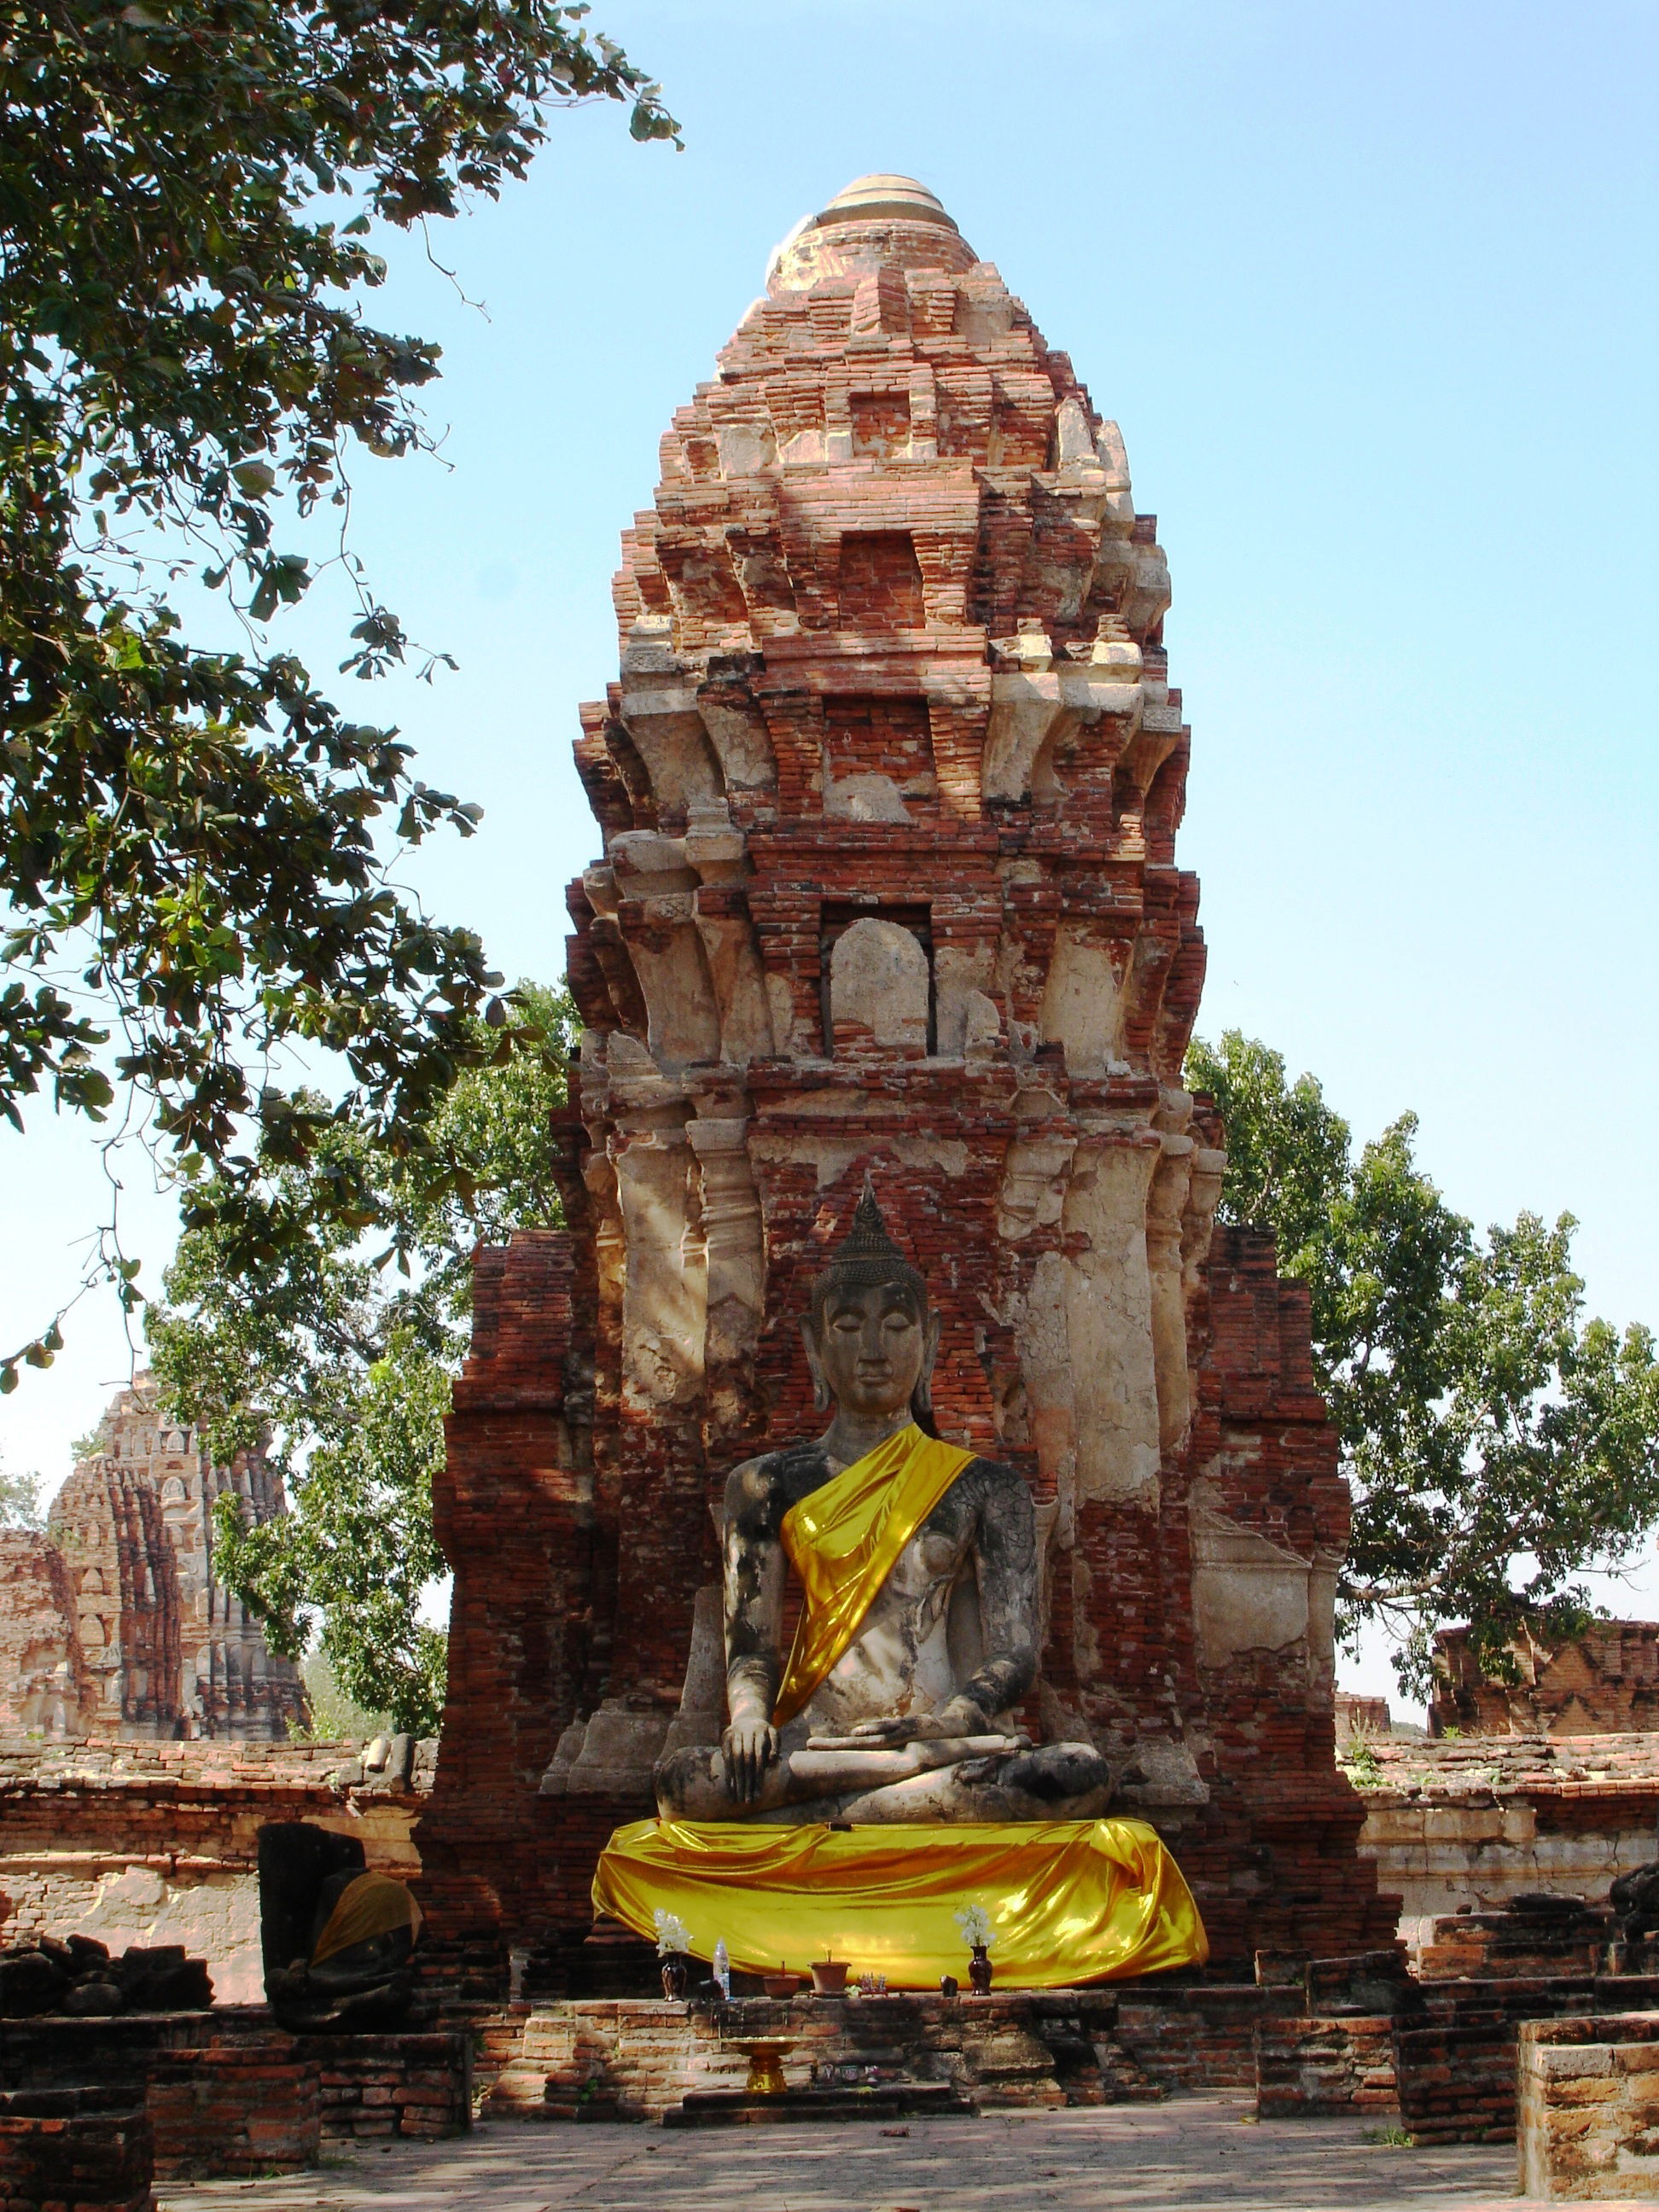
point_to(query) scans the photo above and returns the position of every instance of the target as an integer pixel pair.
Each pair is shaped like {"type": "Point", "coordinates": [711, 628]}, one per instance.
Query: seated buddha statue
{"type": "Point", "coordinates": [918, 1567]}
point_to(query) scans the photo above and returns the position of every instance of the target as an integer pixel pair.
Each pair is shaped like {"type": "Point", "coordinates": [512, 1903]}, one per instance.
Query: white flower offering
{"type": "Point", "coordinates": [975, 1925]}
{"type": "Point", "coordinates": [672, 1934]}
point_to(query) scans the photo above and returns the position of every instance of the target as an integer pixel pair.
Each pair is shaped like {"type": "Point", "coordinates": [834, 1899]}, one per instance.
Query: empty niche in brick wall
{"type": "Point", "coordinates": [876, 981]}
{"type": "Point", "coordinates": [881, 581]}
{"type": "Point", "coordinates": [877, 759]}
{"type": "Point", "coordinates": [796, 411]}
{"type": "Point", "coordinates": [881, 425]}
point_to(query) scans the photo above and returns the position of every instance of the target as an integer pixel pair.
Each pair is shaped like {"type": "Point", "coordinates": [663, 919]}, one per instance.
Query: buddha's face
{"type": "Point", "coordinates": [870, 1347]}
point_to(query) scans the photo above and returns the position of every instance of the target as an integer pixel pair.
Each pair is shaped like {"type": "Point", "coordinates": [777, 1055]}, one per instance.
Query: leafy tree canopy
{"type": "Point", "coordinates": [189, 190]}
{"type": "Point", "coordinates": [1497, 1443]}
{"type": "Point", "coordinates": [335, 1346]}
{"type": "Point", "coordinates": [20, 1501]}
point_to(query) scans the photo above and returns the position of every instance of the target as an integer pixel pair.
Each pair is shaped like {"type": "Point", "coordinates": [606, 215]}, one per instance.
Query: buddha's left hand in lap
{"type": "Point", "coordinates": [961, 1716]}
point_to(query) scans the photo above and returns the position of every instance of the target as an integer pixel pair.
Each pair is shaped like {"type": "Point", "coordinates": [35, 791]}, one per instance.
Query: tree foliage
{"type": "Point", "coordinates": [190, 191]}
{"type": "Point", "coordinates": [20, 1501]}
{"type": "Point", "coordinates": [1497, 1443]}
{"type": "Point", "coordinates": [337, 1342]}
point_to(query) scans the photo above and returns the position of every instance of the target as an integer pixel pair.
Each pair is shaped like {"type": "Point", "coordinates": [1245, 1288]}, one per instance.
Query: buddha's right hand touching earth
{"type": "Point", "coordinates": [749, 1746]}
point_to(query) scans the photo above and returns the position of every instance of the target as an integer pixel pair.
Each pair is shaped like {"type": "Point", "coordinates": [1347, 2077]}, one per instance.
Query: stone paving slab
{"type": "Point", "coordinates": [1197, 2154]}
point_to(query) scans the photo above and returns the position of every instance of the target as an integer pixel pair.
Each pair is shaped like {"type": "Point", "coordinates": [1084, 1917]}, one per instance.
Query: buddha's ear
{"type": "Point", "coordinates": [922, 1398]}
{"type": "Point", "coordinates": [822, 1396]}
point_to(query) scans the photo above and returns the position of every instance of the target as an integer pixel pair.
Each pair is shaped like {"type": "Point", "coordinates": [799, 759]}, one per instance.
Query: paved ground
{"type": "Point", "coordinates": [1191, 2154]}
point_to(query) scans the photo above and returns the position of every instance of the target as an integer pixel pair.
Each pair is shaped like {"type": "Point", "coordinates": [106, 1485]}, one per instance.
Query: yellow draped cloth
{"type": "Point", "coordinates": [1069, 1901]}
{"type": "Point", "coordinates": [843, 1539]}
{"type": "Point", "coordinates": [372, 1905]}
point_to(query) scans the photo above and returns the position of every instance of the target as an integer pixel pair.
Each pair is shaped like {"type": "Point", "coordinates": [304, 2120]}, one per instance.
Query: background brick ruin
{"type": "Point", "coordinates": [111, 1623]}
{"type": "Point", "coordinates": [1603, 1682]}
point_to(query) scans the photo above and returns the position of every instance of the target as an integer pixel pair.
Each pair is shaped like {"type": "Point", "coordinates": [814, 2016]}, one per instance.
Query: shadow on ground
{"type": "Point", "coordinates": [1188, 2155]}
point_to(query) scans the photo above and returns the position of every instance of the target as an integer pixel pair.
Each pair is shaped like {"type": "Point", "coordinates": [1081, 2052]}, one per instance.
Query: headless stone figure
{"type": "Point", "coordinates": [912, 1722]}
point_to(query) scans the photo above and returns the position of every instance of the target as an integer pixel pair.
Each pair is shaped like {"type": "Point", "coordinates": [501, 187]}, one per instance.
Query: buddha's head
{"type": "Point", "coordinates": [870, 1334]}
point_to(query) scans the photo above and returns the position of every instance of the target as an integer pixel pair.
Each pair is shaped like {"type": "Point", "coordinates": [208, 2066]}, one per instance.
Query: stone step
{"type": "Point", "coordinates": [894, 2100]}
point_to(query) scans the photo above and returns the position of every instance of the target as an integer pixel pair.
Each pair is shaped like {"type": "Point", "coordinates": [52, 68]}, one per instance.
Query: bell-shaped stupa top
{"type": "Point", "coordinates": [882, 217]}
{"type": "Point", "coordinates": [882, 195]}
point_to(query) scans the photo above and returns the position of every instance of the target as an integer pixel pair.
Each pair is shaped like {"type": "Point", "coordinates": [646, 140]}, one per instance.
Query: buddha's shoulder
{"type": "Point", "coordinates": [992, 1479]}
{"type": "Point", "coordinates": [779, 1476]}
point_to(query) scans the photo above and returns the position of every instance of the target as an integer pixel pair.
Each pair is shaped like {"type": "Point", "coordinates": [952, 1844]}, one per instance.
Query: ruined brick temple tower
{"type": "Point", "coordinates": [889, 789]}
{"type": "Point", "coordinates": [112, 1623]}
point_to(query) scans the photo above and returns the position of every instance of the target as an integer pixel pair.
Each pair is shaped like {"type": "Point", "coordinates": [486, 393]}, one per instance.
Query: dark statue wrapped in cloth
{"type": "Point", "coordinates": [337, 1940]}
{"type": "Point", "coordinates": [876, 1781]}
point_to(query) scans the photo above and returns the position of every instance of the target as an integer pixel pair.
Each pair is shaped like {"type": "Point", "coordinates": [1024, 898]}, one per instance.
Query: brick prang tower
{"type": "Point", "coordinates": [889, 789]}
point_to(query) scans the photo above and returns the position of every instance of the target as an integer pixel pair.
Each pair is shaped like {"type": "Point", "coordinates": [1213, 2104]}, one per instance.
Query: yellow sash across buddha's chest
{"type": "Point", "coordinates": [844, 1540]}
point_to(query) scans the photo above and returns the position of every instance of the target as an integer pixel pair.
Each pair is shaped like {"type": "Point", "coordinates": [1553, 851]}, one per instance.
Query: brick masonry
{"type": "Point", "coordinates": [1469, 1822]}
{"type": "Point", "coordinates": [1604, 1682]}
{"type": "Point", "coordinates": [151, 1843]}
{"type": "Point", "coordinates": [1589, 2118]}
{"type": "Point", "coordinates": [229, 2093]}
{"type": "Point", "coordinates": [87, 2148]}
{"type": "Point", "coordinates": [635, 2058]}
{"type": "Point", "coordinates": [1308, 2065]}
{"type": "Point", "coordinates": [111, 1621]}
{"type": "Point", "coordinates": [889, 791]}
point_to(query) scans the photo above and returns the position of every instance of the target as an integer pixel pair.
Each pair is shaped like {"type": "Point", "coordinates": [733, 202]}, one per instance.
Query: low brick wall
{"type": "Point", "coordinates": [225, 2092]}
{"type": "Point", "coordinates": [230, 2092]}
{"type": "Point", "coordinates": [1456, 2060]}
{"type": "Point", "coordinates": [632, 2058]}
{"type": "Point", "coordinates": [1457, 2083]}
{"type": "Point", "coordinates": [89, 2148]}
{"type": "Point", "coordinates": [393, 2085]}
{"type": "Point", "coordinates": [245, 2105]}
{"type": "Point", "coordinates": [1342, 2064]}
{"type": "Point", "coordinates": [1201, 2036]}
{"type": "Point", "coordinates": [1515, 1945]}
{"type": "Point", "coordinates": [1587, 2108]}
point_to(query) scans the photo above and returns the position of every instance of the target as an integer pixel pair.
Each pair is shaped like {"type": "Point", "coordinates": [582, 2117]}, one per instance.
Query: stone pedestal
{"type": "Point", "coordinates": [1588, 2109]}
{"type": "Point", "coordinates": [643, 2059]}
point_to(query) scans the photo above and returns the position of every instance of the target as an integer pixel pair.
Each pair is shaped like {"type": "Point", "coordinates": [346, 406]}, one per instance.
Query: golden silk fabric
{"type": "Point", "coordinates": [844, 1540]}
{"type": "Point", "coordinates": [373, 1905]}
{"type": "Point", "coordinates": [1069, 1901]}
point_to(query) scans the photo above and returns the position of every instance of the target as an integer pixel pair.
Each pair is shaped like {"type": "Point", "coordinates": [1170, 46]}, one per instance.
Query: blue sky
{"type": "Point", "coordinates": [1370, 291]}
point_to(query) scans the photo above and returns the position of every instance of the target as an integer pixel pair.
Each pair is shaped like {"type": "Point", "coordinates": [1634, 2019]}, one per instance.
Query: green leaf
{"type": "Point", "coordinates": [187, 338]}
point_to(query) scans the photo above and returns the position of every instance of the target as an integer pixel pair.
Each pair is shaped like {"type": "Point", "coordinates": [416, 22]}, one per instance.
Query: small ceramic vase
{"type": "Point", "coordinates": [979, 1971]}
{"type": "Point", "coordinates": [676, 1973]}
{"type": "Point", "coordinates": [948, 1985]}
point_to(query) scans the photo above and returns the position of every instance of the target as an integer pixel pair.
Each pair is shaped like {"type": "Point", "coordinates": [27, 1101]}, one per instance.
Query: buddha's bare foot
{"type": "Point", "coordinates": [1056, 1772]}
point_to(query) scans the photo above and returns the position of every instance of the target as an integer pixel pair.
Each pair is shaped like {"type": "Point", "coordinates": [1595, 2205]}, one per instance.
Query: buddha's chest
{"type": "Point", "coordinates": [932, 1559]}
